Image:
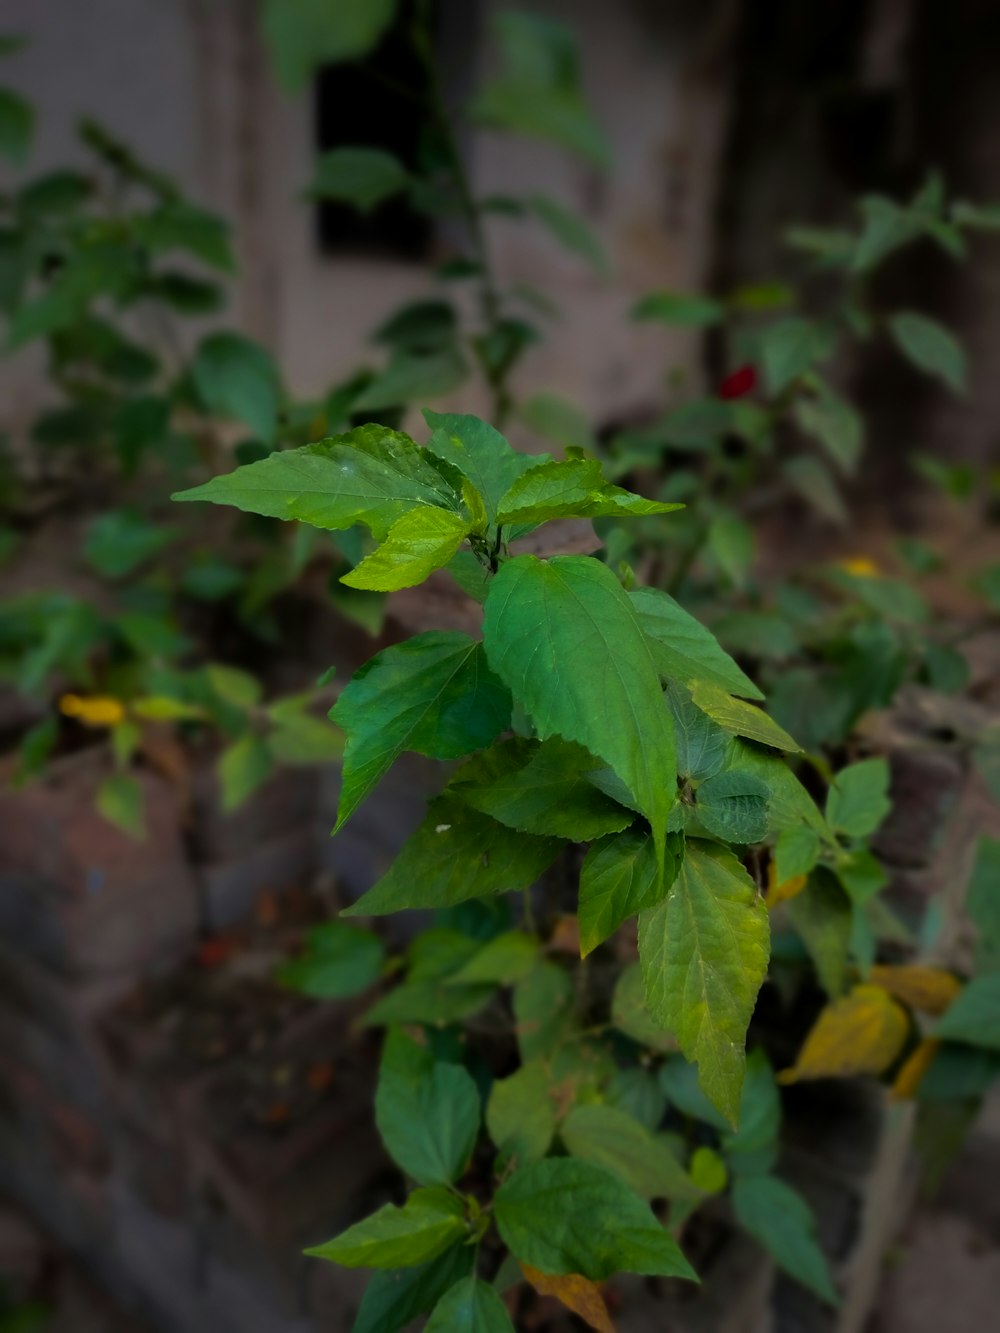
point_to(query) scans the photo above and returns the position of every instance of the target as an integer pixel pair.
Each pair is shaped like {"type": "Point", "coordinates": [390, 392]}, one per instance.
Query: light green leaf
{"type": "Point", "coordinates": [305, 34]}
{"type": "Point", "coordinates": [620, 877]}
{"type": "Point", "coordinates": [821, 914]}
{"type": "Point", "coordinates": [974, 1016]}
{"type": "Point", "coordinates": [504, 959]}
{"type": "Point", "coordinates": [565, 1216]}
{"type": "Point", "coordinates": [243, 767]}
{"type": "Point", "coordinates": [796, 852]}
{"type": "Point", "coordinates": [364, 177]}
{"type": "Point", "coordinates": [472, 1306]}
{"type": "Point", "coordinates": [339, 960]}
{"type": "Point", "coordinates": [121, 802]}
{"type": "Point", "coordinates": [427, 1112]}
{"type": "Point", "coordinates": [630, 1013]}
{"type": "Point", "coordinates": [753, 1148]}
{"type": "Point", "coordinates": [433, 694]}
{"type": "Point", "coordinates": [479, 451]}
{"type": "Point", "coordinates": [396, 1296]}
{"type": "Point", "coordinates": [704, 953]}
{"type": "Point", "coordinates": [858, 800]}
{"type": "Point", "coordinates": [520, 1114]}
{"type": "Point", "coordinates": [570, 231]}
{"type": "Point", "coordinates": [742, 719]}
{"type": "Point", "coordinates": [429, 1223]}
{"type": "Point", "coordinates": [613, 1139]}
{"type": "Point", "coordinates": [683, 648]}
{"type": "Point", "coordinates": [544, 1010]}
{"type": "Point", "coordinates": [418, 543]}
{"type": "Point", "coordinates": [731, 542]}
{"type": "Point", "coordinates": [237, 378]}
{"type": "Point", "coordinates": [371, 475]}
{"type": "Point", "coordinates": [456, 854]}
{"type": "Point", "coordinates": [732, 806]}
{"type": "Point", "coordinates": [930, 347]}
{"type": "Point", "coordinates": [782, 1222]}
{"type": "Point", "coordinates": [563, 636]}
{"type": "Point", "coordinates": [789, 347]}
{"type": "Point", "coordinates": [574, 488]}
{"type": "Point", "coordinates": [684, 309]}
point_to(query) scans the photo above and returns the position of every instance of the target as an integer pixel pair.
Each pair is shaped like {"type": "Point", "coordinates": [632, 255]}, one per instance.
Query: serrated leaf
{"type": "Point", "coordinates": [620, 877]}
{"type": "Point", "coordinates": [520, 1114]}
{"type": "Point", "coordinates": [930, 347]}
{"type": "Point", "coordinates": [338, 961]}
{"type": "Point", "coordinates": [630, 1013]}
{"type": "Point", "coordinates": [732, 806]}
{"type": "Point", "coordinates": [429, 1223]}
{"type": "Point", "coordinates": [418, 543]}
{"type": "Point", "coordinates": [427, 1113]}
{"type": "Point", "coordinates": [701, 743]}
{"type": "Point", "coordinates": [395, 1297]}
{"type": "Point", "coordinates": [858, 799]}
{"type": "Point", "coordinates": [371, 475]}
{"type": "Point", "coordinates": [503, 960]}
{"type": "Point", "coordinates": [611, 1138]}
{"type": "Point", "coordinates": [574, 488]}
{"type": "Point", "coordinates": [243, 767]}
{"type": "Point", "coordinates": [862, 1033]}
{"type": "Point", "coordinates": [570, 231]}
{"type": "Point", "coordinates": [563, 1216]}
{"type": "Point", "coordinates": [563, 636]}
{"type": "Point", "coordinates": [782, 1222]}
{"type": "Point", "coordinates": [479, 451]}
{"type": "Point", "coordinates": [821, 914]}
{"type": "Point", "coordinates": [683, 648]}
{"type": "Point", "coordinates": [740, 718]}
{"type": "Point", "coordinates": [931, 990]}
{"type": "Point", "coordinates": [578, 1294]}
{"type": "Point", "coordinates": [974, 1016]}
{"type": "Point", "coordinates": [237, 378]}
{"type": "Point", "coordinates": [121, 802]}
{"type": "Point", "coordinates": [364, 177]}
{"type": "Point", "coordinates": [684, 309]}
{"type": "Point", "coordinates": [456, 854]}
{"type": "Point", "coordinates": [704, 953]}
{"type": "Point", "coordinates": [433, 694]}
{"type": "Point", "coordinates": [472, 1306]}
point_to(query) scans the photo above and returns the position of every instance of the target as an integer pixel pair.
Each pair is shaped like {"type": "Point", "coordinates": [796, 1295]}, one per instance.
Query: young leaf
{"type": "Point", "coordinates": [570, 231]}
{"type": "Point", "coordinates": [520, 1114]}
{"type": "Point", "coordinates": [611, 1138]}
{"type": "Point", "coordinates": [861, 1034]}
{"type": "Point", "coordinates": [371, 476]}
{"type": "Point", "coordinates": [120, 800]}
{"type": "Point", "coordinates": [574, 488]}
{"type": "Point", "coordinates": [428, 1116]}
{"type": "Point", "coordinates": [974, 1017]}
{"type": "Point", "coordinates": [364, 177]}
{"type": "Point", "coordinates": [456, 854]}
{"type": "Point", "coordinates": [418, 543]}
{"type": "Point", "coordinates": [782, 1222]}
{"type": "Point", "coordinates": [237, 378]}
{"type": "Point", "coordinates": [740, 718]}
{"type": "Point", "coordinates": [564, 1216]}
{"type": "Point", "coordinates": [732, 806]}
{"type": "Point", "coordinates": [930, 347]}
{"type": "Point", "coordinates": [704, 953]}
{"type": "Point", "coordinates": [395, 1297]}
{"type": "Point", "coordinates": [576, 1293]}
{"type": "Point", "coordinates": [433, 694]}
{"type": "Point", "coordinates": [479, 451]}
{"type": "Point", "coordinates": [563, 636]}
{"type": "Point", "coordinates": [472, 1306]}
{"type": "Point", "coordinates": [683, 648]}
{"type": "Point", "coordinates": [858, 800]}
{"type": "Point", "coordinates": [429, 1223]}
{"type": "Point", "coordinates": [339, 960]}
{"type": "Point", "coordinates": [621, 877]}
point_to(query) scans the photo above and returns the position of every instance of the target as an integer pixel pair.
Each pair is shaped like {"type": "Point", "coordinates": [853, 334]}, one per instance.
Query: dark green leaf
{"type": "Point", "coordinates": [479, 451]}
{"type": "Point", "coordinates": [974, 1016]}
{"type": "Point", "coordinates": [790, 347]}
{"type": "Point", "coordinates": [621, 877]}
{"type": "Point", "coordinates": [796, 852]}
{"type": "Point", "coordinates": [413, 377]}
{"type": "Point", "coordinates": [364, 177]}
{"type": "Point", "coordinates": [429, 1223]}
{"type": "Point", "coordinates": [120, 540]}
{"type": "Point", "coordinates": [732, 806]}
{"type": "Point", "coordinates": [504, 959]}
{"type": "Point", "coordinates": [177, 225]}
{"type": "Point", "coordinates": [821, 914]}
{"type": "Point", "coordinates": [338, 961]}
{"type": "Point", "coordinates": [731, 542]}
{"type": "Point", "coordinates": [427, 1113]}
{"type": "Point", "coordinates": [930, 347]}
{"type": "Point", "coordinates": [395, 1297]}
{"type": "Point", "coordinates": [685, 309]}
{"type": "Point", "coordinates": [982, 903]}
{"type": "Point", "coordinates": [782, 1222]}
{"type": "Point", "coordinates": [237, 378]}
{"type": "Point", "coordinates": [306, 34]}
{"type": "Point", "coordinates": [17, 125]}
{"type": "Point", "coordinates": [472, 1306]}
{"type": "Point", "coordinates": [753, 1149]}
{"type": "Point", "coordinates": [701, 744]}
{"type": "Point", "coordinates": [574, 488]}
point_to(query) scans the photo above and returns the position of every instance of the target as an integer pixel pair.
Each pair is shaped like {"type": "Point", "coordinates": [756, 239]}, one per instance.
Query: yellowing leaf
{"type": "Point", "coordinates": [860, 566]}
{"type": "Point", "coordinates": [929, 989]}
{"type": "Point", "coordinates": [99, 710]}
{"type": "Point", "coordinates": [860, 1034]}
{"type": "Point", "coordinates": [915, 1066]}
{"type": "Point", "coordinates": [577, 1293]}
{"type": "Point", "coordinates": [780, 893]}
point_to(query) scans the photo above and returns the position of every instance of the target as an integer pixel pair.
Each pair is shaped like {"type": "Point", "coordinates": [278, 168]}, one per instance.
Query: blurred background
{"type": "Point", "coordinates": [748, 254]}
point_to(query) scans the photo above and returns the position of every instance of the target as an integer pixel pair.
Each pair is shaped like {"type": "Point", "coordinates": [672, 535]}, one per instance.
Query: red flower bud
{"type": "Point", "coordinates": [737, 384]}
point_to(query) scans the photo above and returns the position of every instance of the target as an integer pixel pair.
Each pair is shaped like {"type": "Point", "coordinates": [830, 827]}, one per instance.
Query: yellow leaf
{"type": "Point", "coordinates": [859, 565]}
{"type": "Point", "coordinates": [565, 937]}
{"type": "Point", "coordinates": [780, 893]}
{"type": "Point", "coordinates": [929, 989]}
{"type": "Point", "coordinates": [860, 1034]}
{"type": "Point", "coordinates": [915, 1066]}
{"type": "Point", "coordinates": [99, 710]}
{"type": "Point", "coordinates": [577, 1293]}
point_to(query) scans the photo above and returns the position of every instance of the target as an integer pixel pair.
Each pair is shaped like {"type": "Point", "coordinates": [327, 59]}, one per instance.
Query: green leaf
{"type": "Point", "coordinates": [930, 347]}
{"type": "Point", "coordinates": [742, 719]}
{"type": "Point", "coordinates": [339, 960]}
{"type": "Point", "coordinates": [544, 1010]}
{"type": "Point", "coordinates": [858, 800]}
{"type": "Point", "coordinates": [504, 959]}
{"type": "Point", "coordinates": [121, 802]}
{"type": "Point", "coordinates": [371, 475]}
{"type": "Point", "coordinates": [418, 543]}
{"type": "Point", "coordinates": [520, 1114]}
{"type": "Point", "coordinates": [119, 541]}
{"type": "Point", "coordinates": [427, 1114]}
{"type": "Point", "coordinates": [177, 225]}
{"type": "Point", "coordinates": [684, 309]}
{"type": "Point", "coordinates": [420, 326]}
{"type": "Point", "coordinates": [732, 806]}
{"type": "Point", "coordinates": [570, 231]}
{"type": "Point", "coordinates": [479, 451]}
{"type": "Point", "coordinates": [472, 1306]}
{"type": "Point", "coordinates": [395, 1297]}
{"type": "Point", "coordinates": [683, 648]}
{"type": "Point", "coordinates": [814, 482]}
{"type": "Point", "coordinates": [545, 789]}
{"type": "Point", "coordinates": [753, 1148]}
{"type": "Point", "coordinates": [433, 694]}
{"type": "Point", "coordinates": [300, 738]}
{"type": "Point", "coordinates": [679, 1081]}
{"type": "Point", "coordinates": [790, 347]}
{"type": "Point", "coordinates": [821, 914]}
{"type": "Point", "coordinates": [17, 125]}
{"type": "Point", "coordinates": [731, 542]}
{"type": "Point", "coordinates": [620, 877]}
{"type": "Point", "coordinates": [701, 744]}
{"type": "Point", "coordinates": [456, 854]}
{"type": "Point", "coordinates": [638, 1090]}
{"type": "Point", "coordinates": [243, 767]}
{"type": "Point", "coordinates": [565, 1216]}
{"type": "Point", "coordinates": [982, 903]}
{"type": "Point", "coordinates": [574, 488]}
{"type": "Point", "coordinates": [835, 424]}
{"type": "Point", "coordinates": [796, 852]}
{"type": "Point", "coordinates": [305, 34]}
{"type": "Point", "coordinates": [431, 1002]}
{"type": "Point", "coordinates": [974, 1016]}
{"type": "Point", "coordinates": [704, 953]}
{"type": "Point", "coordinates": [862, 874]}
{"type": "Point", "coordinates": [613, 1139]}
{"type": "Point", "coordinates": [564, 637]}
{"type": "Point", "coordinates": [630, 1013]}
{"type": "Point", "coordinates": [429, 1223]}
{"type": "Point", "coordinates": [782, 1222]}
{"type": "Point", "coordinates": [237, 378]}
{"type": "Point", "coordinates": [413, 377]}
{"type": "Point", "coordinates": [364, 177]}
{"type": "Point", "coordinates": [556, 419]}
